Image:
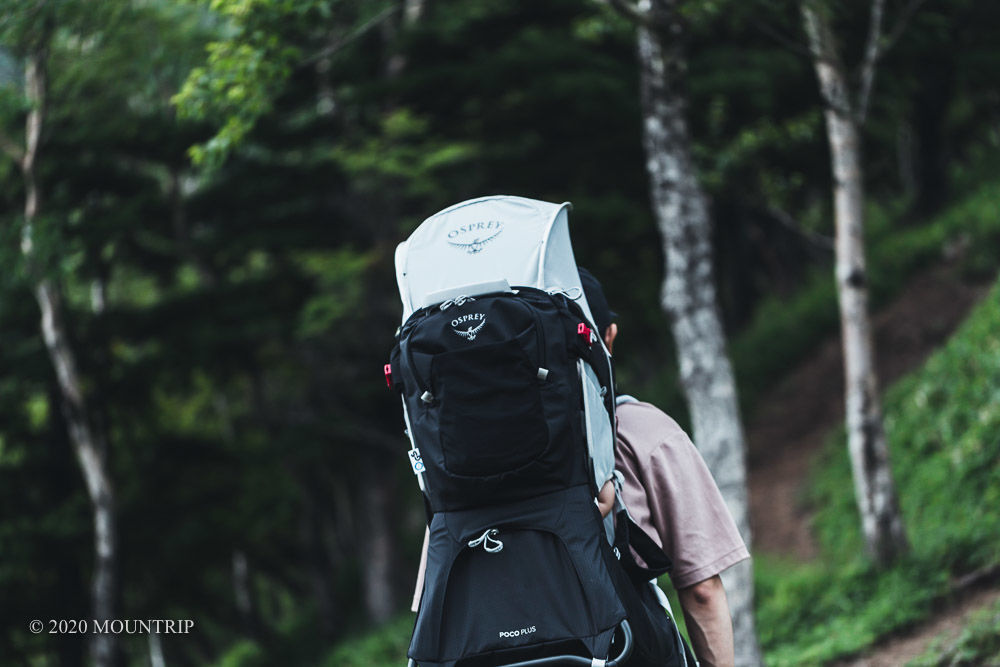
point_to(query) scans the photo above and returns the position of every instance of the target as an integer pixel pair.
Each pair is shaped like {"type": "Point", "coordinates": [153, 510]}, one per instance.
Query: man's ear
{"type": "Point", "coordinates": [609, 335]}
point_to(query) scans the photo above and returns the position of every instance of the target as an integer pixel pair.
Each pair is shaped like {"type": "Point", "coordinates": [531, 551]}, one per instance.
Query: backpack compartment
{"type": "Point", "coordinates": [494, 398]}
{"type": "Point", "coordinates": [495, 426]}
{"type": "Point", "coordinates": [525, 580]}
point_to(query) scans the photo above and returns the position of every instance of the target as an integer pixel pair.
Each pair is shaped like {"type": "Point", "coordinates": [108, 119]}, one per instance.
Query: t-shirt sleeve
{"type": "Point", "coordinates": [669, 489]}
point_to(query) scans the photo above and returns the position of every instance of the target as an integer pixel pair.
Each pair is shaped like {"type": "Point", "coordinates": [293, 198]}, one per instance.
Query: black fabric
{"type": "Point", "coordinates": [547, 590]}
{"type": "Point", "coordinates": [656, 642]}
{"type": "Point", "coordinates": [495, 426]}
{"type": "Point", "coordinates": [494, 398]}
{"type": "Point", "coordinates": [513, 655]}
{"type": "Point", "coordinates": [631, 540]}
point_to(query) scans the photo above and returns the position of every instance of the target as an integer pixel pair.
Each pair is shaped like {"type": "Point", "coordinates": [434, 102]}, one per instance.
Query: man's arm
{"type": "Point", "coordinates": [709, 624]}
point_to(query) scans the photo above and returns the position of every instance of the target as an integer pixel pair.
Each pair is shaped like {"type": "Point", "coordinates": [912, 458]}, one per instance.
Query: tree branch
{"type": "Point", "coordinates": [36, 85]}
{"type": "Point", "coordinates": [793, 225]}
{"type": "Point", "coordinates": [973, 579]}
{"type": "Point", "coordinates": [877, 47]}
{"type": "Point", "coordinates": [360, 31]}
{"type": "Point", "coordinates": [833, 87]}
{"type": "Point", "coordinates": [870, 61]}
{"type": "Point", "coordinates": [901, 23]}
{"type": "Point", "coordinates": [789, 43]}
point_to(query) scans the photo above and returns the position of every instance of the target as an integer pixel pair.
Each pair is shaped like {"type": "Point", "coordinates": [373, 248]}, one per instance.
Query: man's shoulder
{"type": "Point", "coordinates": [635, 412]}
{"type": "Point", "coordinates": [644, 427]}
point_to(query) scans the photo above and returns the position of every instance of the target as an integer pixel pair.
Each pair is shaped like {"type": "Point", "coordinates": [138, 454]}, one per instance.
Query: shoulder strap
{"type": "Point", "coordinates": [631, 540]}
{"type": "Point", "coordinates": [625, 398]}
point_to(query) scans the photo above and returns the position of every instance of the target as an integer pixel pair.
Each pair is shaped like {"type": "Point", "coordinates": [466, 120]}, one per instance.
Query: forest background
{"type": "Point", "coordinates": [221, 186]}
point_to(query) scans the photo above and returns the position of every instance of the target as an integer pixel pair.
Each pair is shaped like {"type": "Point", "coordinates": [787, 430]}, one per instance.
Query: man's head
{"type": "Point", "coordinates": [604, 317]}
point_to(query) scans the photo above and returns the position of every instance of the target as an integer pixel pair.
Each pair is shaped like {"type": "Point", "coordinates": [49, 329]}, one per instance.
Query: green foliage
{"type": "Point", "coordinates": [339, 276]}
{"type": "Point", "coordinates": [404, 155]}
{"type": "Point", "coordinates": [249, 300]}
{"type": "Point", "coordinates": [808, 615]}
{"type": "Point", "coordinates": [249, 67]}
{"type": "Point", "coordinates": [237, 85]}
{"type": "Point", "coordinates": [785, 329]}
{"type": "Point", "coordinates": [244, 653]}
{"type": "Point", "coordinates": [942, 423]}
{"type": "Point", "coordinates": [387, 646]}
{"type": "Point", "coordinates": [978, 644]}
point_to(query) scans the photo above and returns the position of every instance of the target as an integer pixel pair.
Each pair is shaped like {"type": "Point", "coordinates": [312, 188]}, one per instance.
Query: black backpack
{"type": "Point", "coordinates": [508, 400]}
{"type": "Point", "coordinates": [495, 391]}
{"type": "Point", "coordinates": [494, 397]}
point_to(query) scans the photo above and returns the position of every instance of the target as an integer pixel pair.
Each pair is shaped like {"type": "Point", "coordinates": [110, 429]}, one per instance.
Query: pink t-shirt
{"type": "Point", "coordinates": [672, 496]}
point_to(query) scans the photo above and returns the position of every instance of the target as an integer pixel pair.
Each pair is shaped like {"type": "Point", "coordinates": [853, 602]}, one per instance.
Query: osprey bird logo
{"type": "Point", "coordinates": [474, 329]}
{"type": "Point", "coordinates": [476, 245]}
{"type": "Point", "coordinates": [479, 233]}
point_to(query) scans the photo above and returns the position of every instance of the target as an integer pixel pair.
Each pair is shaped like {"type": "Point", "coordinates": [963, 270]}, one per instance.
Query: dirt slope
{"type": "Point", "coordinates": [794, 419]}
{"type": "Point", "coordinates": [797, 416]}
{"type": "Point", "coordinates": [947, 625]}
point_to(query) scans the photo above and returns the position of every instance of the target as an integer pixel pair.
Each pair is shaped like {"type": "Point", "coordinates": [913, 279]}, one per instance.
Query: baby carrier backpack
{"type": "Point", "coordinates": [508, 401]}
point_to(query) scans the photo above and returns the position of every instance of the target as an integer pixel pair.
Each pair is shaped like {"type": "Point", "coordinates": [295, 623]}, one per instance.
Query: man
{"type": "Point", "coordinates": [672, 496]}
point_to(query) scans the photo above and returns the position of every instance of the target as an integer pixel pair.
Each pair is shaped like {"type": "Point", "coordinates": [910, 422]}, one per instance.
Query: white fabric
{"type": "Point", "coordinates": [523, 241]}
{"type": "Point", "coordinates": [600, 437]}
{"type": "Point", "coordinates": [488, 240]}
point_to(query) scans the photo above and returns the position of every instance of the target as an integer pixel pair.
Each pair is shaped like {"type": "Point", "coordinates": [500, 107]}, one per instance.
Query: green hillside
{"type": "Point", "coordinates": [944, 430]}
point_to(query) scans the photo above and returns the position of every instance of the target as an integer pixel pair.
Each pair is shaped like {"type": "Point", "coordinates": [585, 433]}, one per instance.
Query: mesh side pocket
{"type": "Point", "coordinates": [491, 414]}
{"type": "Point", "coordinates": [600, 437]}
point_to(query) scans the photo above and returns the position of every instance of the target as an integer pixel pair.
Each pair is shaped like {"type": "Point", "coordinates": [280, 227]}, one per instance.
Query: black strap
{"type": "Point", "coordinates": [631, 540]}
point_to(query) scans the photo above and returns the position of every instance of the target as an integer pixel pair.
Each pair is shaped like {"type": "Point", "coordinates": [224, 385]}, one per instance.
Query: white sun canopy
{"type": "Point", "coordinates": [479, 243]}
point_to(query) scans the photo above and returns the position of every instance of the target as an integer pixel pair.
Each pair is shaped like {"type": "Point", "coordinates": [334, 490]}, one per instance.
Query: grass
{"type": "Point", "coordinates": [944, 430]}
{"type": "Point", "coordinates": [386, 646]}
{"type": "Point", "coordinates": [979, 644]}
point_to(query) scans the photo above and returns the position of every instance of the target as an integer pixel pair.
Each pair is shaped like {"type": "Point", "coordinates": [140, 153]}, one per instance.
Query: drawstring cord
{"type": "Point", "coordinates": [457, 301]}
{"type": "Point", "coordinates": [567, 293]}
{"type": "Point", "coordinates": [485, 539]}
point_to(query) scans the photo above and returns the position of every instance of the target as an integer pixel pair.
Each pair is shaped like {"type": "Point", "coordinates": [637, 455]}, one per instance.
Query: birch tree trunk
{"type": "Point", "coordinates": [88, 446]}
{"type": "Point", "coordinates": [378, 545]}
{"type": "Point", "coordinates": [875, 491]}
{"type": "Point", "coordinates": [689, 294]}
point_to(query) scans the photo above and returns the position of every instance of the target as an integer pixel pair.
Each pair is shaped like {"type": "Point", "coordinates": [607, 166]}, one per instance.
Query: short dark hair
{"type": "Point", "coordinates": [603, 315]}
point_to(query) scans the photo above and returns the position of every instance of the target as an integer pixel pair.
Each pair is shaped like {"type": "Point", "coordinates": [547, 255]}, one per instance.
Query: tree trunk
{"type": "Point", "coordinates": [156, 658]}
{"type": "Point", "coordinates": [875, 492]}
{"type": "Point", "coordinates": [378, 545]}
{"type": "Point", "coordinates": [88, 447]}
{"type": "Point", "coordinates": [243, 594]}
{"type": "Point", "coordinates": [411, 14]}
{"type": "Point", "coordinates": [689, 294]}
{"type": "Point", "coordinates": [317, 561]}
